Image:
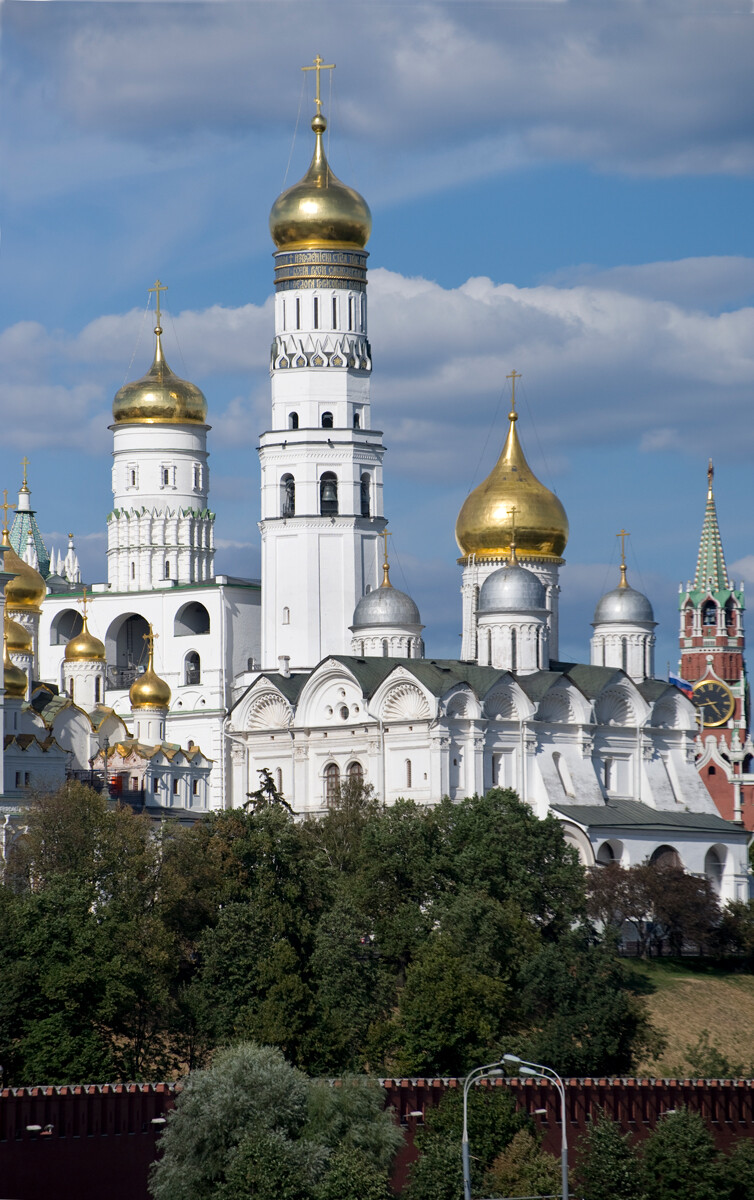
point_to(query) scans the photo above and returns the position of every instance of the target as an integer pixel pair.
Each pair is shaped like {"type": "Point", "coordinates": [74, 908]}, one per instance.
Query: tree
{"type": "Point", "coordinates": [737, 1171]}
{"type": "Point", "coordinates": [266, 795]}
{"type": "Point", "coordinates": [254, 1125]}
{"type": "Point", "coordinates": [679, 1160]}
{"type": "Point", "coordinates": [607, 1163]}
{"type": "Point", "coordinates": [493, 1122]}
{"type": "Point", "coordinates": [685, 907]}
{"type": "Point", "coordinates": [523, 1168]}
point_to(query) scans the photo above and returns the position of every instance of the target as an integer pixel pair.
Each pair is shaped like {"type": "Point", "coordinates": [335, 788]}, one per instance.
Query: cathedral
{"type": "Point", "coordinates": [179, 685]}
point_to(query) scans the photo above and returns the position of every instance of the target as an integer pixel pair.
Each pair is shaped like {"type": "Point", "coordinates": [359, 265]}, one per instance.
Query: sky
{"type": "Point", "coordinates": [560, 187]}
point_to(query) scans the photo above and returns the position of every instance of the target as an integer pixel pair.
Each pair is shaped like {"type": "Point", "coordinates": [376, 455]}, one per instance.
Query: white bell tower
{"type": "Point", "coordinates": [321, 461]}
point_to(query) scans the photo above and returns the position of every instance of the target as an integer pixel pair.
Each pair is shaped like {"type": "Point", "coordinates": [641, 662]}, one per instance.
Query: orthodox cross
{"type": "Point", "coordinates": [623, 534]}
{"type": "Point", "coordinates": [5, 506]}
{"type": "Point", "coordinates": [319, 65]}
{"type": "Point", "coordinates": [385, 566]}
{"type": "Point", "coordinates": [710, 475]}
{"type": "Point", "coordinates": [83, 602]}
{"type": "Point", "coordinates": [150, 638]}
{"type": "Point", "coordinates": [158, 287]}
{"type": "Point", "coordinates": [512, 512]}
{"type": "Point", "coordinates": [24, 464]}
{"type": "Point", "coordinates": [514, 375]}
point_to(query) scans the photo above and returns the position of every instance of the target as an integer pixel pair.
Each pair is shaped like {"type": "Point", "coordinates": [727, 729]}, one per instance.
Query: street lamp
{"type": "Point", "coordinates": [531, 1071]}
{"type": "Point", "coordinates": [489, 1071]}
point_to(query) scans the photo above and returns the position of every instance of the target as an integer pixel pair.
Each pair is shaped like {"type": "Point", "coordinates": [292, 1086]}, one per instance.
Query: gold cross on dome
{"type": "Point", "coordinates": [158, 287]}
{"type": "Point", "coordinates": [24, 464]}
{"type": "Point", "coordinates": [514, 375]}
{"type": "Point", "coordinates": [386, 534]}
{"type": "Point", "coordinates": [5, 506]}
{"type": "Point", "coordinates": [83, 602]}
{"type": "Point", "coordinates": [150, 638]}
{"type": "Point", "coordinates": [319, 65]}
{"type": "Point", "coordinates": [623, 535]}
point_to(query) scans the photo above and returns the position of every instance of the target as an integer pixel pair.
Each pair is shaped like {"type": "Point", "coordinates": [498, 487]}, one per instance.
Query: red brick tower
{"type": "Point", "coordinates": [712, 661]}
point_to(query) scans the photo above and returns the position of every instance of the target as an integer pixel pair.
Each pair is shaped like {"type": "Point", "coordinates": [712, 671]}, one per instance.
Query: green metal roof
{"type": "Point", "coordinates": [634, 814]}
{"type": "Point", "coordinates": [25, 522]}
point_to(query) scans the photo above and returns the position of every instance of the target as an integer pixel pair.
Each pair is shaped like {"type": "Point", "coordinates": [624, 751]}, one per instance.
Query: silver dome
{"type": "Point", "coordinates": [622, 605]}
{"type": "Point", "coordinates": [385, 606]}
{"type": "Point", "coordinates": [512, 589]}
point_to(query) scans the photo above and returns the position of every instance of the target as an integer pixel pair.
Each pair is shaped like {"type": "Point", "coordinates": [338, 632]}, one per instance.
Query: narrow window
{"type": "Point", "coordinates": [332, 783]}
{"type": "Point", "coordinates": [165, 476]}
{"type": "Point", "coordinates": [709, 613]}
{"type": "Point", "coordinates": [133, 479]}
{"type": "Point", "coordinates": [278, 779]}
{"type": "Point", "coordinates": [197, 476]}
{"type": "Point", "coordinates": [167, 569]}
{"type": "Point", "coordinates": [18, 779]}
{"type": "Point", "coordinates": [356, 420]}
{"type": "Point", "coordinates": [133, 570]}
{"type": "Point", "coordinates": [316, 312]}
{"type": "Point", "coordinates": [384, 648]}
{"type": "Point", "coordinates": [328, 494]}
{"type": "Point", "coordinates": [408, 772]}
{"type": "Point", "coordinates": [70, 687]}
{"type": "Point", "coordinates": [156, 785]}
{"type": "Point", "coordinates": [195, 787]}
{"type": "Point", "coordinates": [175, 786]}
{"type": "Point", "coordinates": [27, 778]}
{"type": "Point", "coordinates": [97, 690]}
{"type": "Point", "coordinates": [327, 421]}
{"type": "Point", "coordinates": [192, 668]}
{"type": "Point", "coordinates": [365, 511]}
{"type": "Point", "coordinates": [293, 420]}
{"type": "Point", "coordinates": [298, 314]}
{"type": "Point", "coordinates": [514, 651]}
{"type": "Point", "coordinates": [282, 311]}
{"type": "Point", "coordinates": [334, 313]}
{"type": "Point", "coordinates": [350, 312]}
{"type": "Point", "coordinates": [286, 616]}
{"type": "Point", "coordinates": [355, 772]}
{"type": "Point", "coordinates": [624, 653]}
{"type": "Point", "coordinates": [288, 496]}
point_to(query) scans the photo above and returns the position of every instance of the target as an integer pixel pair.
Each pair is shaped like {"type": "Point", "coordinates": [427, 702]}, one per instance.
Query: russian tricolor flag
{"type": "Point", "coordinates": [683, 685]}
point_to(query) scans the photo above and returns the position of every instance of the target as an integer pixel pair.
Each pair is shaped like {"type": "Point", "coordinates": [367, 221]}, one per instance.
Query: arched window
{"type": "Point", "coordinates": [730, 617]}
{"type": "Point", "coordinates": [192, 672]}
{"type": "Point", "coordinates": [191, 620]}
{"type": "Point", "coordinates": [279, 780]}
{"type": "Point", "coordinates": [514, 651]}
{"type": "Point", "coordinates": [328, 494]}
{"type": "Point", "coordinates": [624, 653]}
{"type": "Point", "coordinates": [384, 648]}
{"type": "Point", "coordinates": [327, 421]}
{"type": "Point", "coordinates": [167, 568]}
{"type": "Point", "coordinates": [350, 312]}
{"type": "Point", "coordinates": [316, 312]}
{"type": "Point", "coordinates": [334, 312]}
{"type": "Point", "coordinates": [332, 783]}
{"type": "Point", "coordinates": [133, 570]}
{"type": "Point", "coordinates": [408, 647]}
{"type": "Point", "coordinates": [409, 773]}
{"type": "Point", "coordinates": [65, 625]}
{"type": "Point", "coordinates": [288, 496]}
{"type": "Point", "coordinates": [688, 620]}
{"type": "Point", "coordinates": [97, 690]}
{"type": "Point", "coordinates": [286, 615]}
{"type": "Point", "coordinates": [365, 495]}
{"type": "Point", "coordinates": [709, 613]}
{"type": "Point", "coordinates": [356, 420]}
{"type": "Point", "coordinates": [298, 314]}
{"type": "Point", "coordinates": [666, 856]}
{"type": "Point", "coordinates": [70, 688]}
{"type": "Point", "coordinates": [355, 772]}
{"type": "Point", "coordinates": [293, 420]}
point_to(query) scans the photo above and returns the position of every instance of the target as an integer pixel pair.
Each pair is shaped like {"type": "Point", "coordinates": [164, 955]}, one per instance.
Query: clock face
{"type": "Point", "coordinates": [715, 701]}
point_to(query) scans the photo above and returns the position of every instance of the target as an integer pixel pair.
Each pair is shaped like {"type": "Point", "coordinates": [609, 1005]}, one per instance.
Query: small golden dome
{"type": "Point", "coordinates": [319, 211]}
{"type": "Point", "coordinates": [18, 639]}
{"type": "Point", "coordinates": [160, 397]}
{"type": "Point", "coordinates": [27, 589]}
{"type": "Point", "coordinates": [149, 691]}
{"type": "Point", "coordinates": [14, 679]}
{"type": "Point", "coordinates": [85, 647]}
{"type": "Point", "coordinates": [485, 523]}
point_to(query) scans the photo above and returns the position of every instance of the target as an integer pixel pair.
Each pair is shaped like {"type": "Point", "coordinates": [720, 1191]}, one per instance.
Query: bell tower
{"type": "Point", "coordinates": [321, 461]}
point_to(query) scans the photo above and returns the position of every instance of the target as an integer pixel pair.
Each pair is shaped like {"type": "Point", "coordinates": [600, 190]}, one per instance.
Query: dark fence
{"type": "Point", "coordinates": [73, 1142]}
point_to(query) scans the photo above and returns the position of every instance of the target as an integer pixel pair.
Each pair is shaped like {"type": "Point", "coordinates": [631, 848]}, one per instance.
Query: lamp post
{"type": "Point", "coordinates": [531, 1071]}
{"type": "Point", "coordinates": [489, 1071]}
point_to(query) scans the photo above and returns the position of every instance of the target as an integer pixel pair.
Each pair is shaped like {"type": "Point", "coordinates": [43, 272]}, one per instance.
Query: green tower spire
{"type": "Point", "coordinates": [711, 571]}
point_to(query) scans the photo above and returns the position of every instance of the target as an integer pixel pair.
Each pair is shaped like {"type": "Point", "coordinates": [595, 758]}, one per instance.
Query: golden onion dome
{"type": "Point", "coordinates": [320, 212]}
{"type": "Point", "coordinates": [511, 497]}
{"type": "Point", "coordinates": [85, 647]}
{"type": "Point", "coordinates": [160, 397]}
{"type": "Point", "coordinates": [27, 589]}
{"type": "Point", "coordinates": [14, 679]}
{"type": "Point", "coordinates": [149, 691]}
{"type": "Point", "coordinates": [18, 639]}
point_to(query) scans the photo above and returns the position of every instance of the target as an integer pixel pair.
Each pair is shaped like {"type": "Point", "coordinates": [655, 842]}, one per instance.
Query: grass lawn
{"type": "Point", "coordinates": [689, 997]}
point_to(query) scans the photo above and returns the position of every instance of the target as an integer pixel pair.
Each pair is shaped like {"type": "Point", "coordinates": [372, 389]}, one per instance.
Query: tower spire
{"type": "Point", "coordinates": [711, 571]}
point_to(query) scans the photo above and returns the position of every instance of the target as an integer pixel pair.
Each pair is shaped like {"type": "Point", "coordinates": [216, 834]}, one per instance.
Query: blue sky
{"type": "Point", "coordinates": [560, 187]}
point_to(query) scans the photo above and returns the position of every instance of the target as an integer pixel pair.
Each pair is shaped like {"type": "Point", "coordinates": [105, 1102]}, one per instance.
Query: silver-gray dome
{"type": "Point", "coordinates": [512, 589]}
{"type": "Point", "coordinates": [624, 605]}
{"type": "Point", "coordinates": [385, 606]}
